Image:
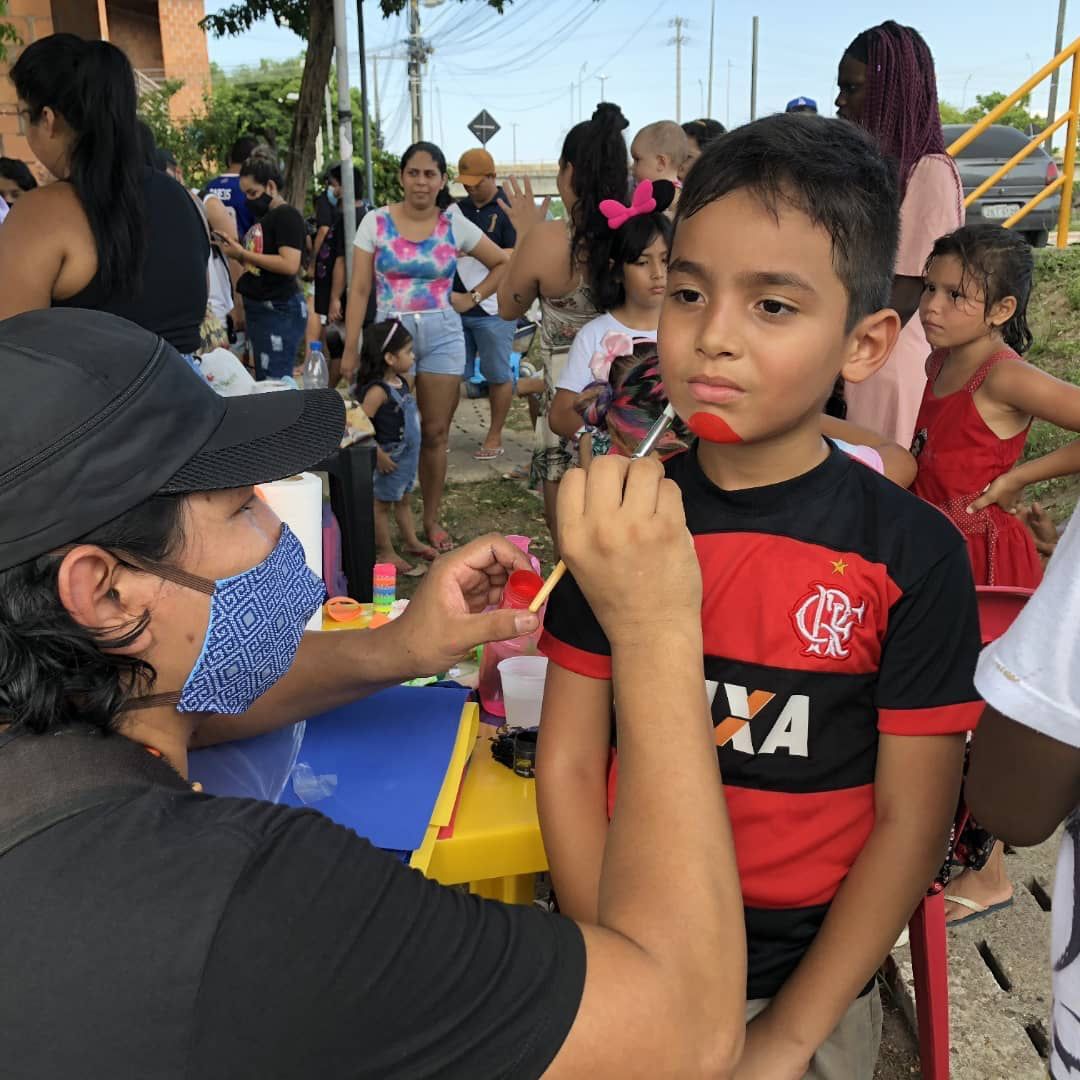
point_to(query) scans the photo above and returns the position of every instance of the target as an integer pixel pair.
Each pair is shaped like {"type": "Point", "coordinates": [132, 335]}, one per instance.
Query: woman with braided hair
{"type": "Point", "coordinates": [888, 87]}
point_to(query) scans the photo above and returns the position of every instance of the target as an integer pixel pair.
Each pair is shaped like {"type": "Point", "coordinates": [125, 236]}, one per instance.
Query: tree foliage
{"type": "Point", "coordinates": [1018, 116]}
{"type": "Point", "coordinates": [8, 34]}
{"type": "Point", "coordinates": [252, 101]}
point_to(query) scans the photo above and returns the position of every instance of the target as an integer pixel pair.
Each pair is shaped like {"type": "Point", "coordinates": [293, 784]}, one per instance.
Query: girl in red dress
{"type": "Point", "coordinates": [981, 397]}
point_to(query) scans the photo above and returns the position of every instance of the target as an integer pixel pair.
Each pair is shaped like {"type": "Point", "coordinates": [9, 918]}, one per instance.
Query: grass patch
{"type": "Point", "coordinates": [502, 506]}
{"type": "Point", "coordinates": [1054, 315]}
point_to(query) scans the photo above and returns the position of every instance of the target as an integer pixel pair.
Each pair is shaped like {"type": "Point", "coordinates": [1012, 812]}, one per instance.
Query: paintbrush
{"type": "Point", "coordinates": [645, 448]}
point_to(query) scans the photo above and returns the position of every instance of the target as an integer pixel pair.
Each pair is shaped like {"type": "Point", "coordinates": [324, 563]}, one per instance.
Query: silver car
{"type": "Point", "coordinates": [982, 158]}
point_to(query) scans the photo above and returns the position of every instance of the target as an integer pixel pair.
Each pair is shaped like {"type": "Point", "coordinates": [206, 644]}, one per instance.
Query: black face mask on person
{"type": "Point", "coordinates": [260, 205]}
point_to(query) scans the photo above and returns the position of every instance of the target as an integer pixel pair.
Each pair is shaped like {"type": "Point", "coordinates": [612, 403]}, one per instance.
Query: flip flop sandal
{"type": "Point", "coordinates": [977, 910]}
{"type": "Point", "coordinates": [414, 572]}
{"type": "Point", "coordinates": [427, 554]}
{"type": "Point", "coordinates": [487, 454]}
{"type": "Point", "coordinates": [518, 472]}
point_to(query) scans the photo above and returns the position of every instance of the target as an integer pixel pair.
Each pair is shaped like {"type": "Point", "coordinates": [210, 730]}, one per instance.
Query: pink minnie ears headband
{"type": "Point", "coordinates": [649, 196]}
{"type": "Point", "coordinates": [642, 202]}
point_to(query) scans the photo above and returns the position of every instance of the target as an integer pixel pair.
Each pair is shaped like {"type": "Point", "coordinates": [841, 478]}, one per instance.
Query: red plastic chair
{"type": "Point", "coordinates": [998, 607]}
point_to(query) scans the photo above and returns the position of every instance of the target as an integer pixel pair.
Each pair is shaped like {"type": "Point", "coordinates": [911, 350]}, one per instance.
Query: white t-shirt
{"type": "Point", "coordinates": [576, 375]}
{"type": "Point", "coordinates": [1031, 674]}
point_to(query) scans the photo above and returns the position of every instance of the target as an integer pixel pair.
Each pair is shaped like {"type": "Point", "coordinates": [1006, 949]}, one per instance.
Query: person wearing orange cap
{"type": "Point", "coordinates": [486, 335]}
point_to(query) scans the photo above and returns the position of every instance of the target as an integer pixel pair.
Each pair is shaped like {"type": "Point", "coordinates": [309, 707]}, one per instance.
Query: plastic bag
{"type": "Point", "coordinates": [256, 768]}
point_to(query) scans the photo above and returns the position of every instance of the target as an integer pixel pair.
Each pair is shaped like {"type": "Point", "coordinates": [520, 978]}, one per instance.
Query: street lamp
{"type": "Point", "coordinates": [603, 79]}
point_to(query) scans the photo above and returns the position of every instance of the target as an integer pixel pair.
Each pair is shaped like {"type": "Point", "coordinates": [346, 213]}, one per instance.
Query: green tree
{"type": "Point", "coordinates": [313, 20]}
{"type": "Point", "coordinates": [1018, 116]}
{"type": "Point", "coordinates": [8, 35]}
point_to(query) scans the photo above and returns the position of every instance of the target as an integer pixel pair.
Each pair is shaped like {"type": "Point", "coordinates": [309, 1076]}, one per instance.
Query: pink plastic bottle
{"type": "Point", "coordinates": [520, 589]}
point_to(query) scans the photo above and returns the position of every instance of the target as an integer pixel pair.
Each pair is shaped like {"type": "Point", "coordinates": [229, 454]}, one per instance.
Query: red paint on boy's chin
{"type": "Point", "coordinates": [712, 428]}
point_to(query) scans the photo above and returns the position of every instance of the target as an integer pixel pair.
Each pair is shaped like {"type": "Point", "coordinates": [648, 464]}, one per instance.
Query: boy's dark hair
{"type": "Point", "coordinates": [242, 149]}
{"type": "Point", "coordinates": [91, 84]}
{"type": "Point", "coordinates": [901, 105]}
{"type": "Point", "coordinates": [55, 672]}
{"type": "Point", "coordinates": [379, 339]}
{"type": "Point", "coordinates": [13, 169]}
{"type": "Point", "coordinates": [1000, 262]}
{"type": "Point", "coordinates": [830, 171]}
{"type": "Point", "coordinates": [626, 245]}
{"type": "Point", "coordinates": [596, 149]}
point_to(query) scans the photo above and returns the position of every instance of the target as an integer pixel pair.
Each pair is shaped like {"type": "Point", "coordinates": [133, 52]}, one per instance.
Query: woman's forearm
{"type": "Point", "coordinates": [276, 264]}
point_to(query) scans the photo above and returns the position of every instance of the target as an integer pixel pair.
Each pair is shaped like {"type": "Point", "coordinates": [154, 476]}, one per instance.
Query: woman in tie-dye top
{"type": "Point", "coordinates": [407, 252]}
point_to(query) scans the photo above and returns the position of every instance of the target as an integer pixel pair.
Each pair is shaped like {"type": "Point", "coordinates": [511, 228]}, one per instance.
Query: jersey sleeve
{"type": "Point", "coordinates": [572, 637]}
{"type": "Point", "coordinates": [333, 958]}
{"type": "Point", "coordinates": [1032, 672]}
{"type": "Point", "coordinates": [367, 232]}
{"type": "Point", "coordinates": [926, 678]}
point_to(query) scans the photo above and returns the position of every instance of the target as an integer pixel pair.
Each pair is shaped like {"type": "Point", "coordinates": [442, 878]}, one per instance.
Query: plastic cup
{"type": "Point", "coordinates": [523, 689]}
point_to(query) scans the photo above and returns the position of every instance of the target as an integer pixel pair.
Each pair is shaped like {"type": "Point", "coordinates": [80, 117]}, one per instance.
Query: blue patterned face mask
{"type": "Point", "coordinates": [257, 619]}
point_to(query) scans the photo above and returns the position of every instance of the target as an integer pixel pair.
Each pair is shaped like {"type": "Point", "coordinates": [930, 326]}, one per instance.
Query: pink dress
{"type": "Point", "coordinates": [933, 205]}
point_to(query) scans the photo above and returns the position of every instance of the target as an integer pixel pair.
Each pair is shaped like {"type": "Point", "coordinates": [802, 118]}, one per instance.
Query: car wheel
{"type": "Point", "coordinates": [1037, 239]}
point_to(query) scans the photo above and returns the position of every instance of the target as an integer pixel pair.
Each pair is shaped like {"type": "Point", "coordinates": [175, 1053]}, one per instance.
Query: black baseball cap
{"type": "Point", "coordinates": [98, 414]}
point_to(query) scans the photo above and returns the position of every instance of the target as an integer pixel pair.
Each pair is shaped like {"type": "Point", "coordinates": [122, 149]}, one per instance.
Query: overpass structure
{"type": "Point", "coordinates": [541, 173]}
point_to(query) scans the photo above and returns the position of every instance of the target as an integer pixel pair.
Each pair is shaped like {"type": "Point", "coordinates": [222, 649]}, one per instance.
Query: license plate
{"type": "Point", "coordinates": [1000, 210]}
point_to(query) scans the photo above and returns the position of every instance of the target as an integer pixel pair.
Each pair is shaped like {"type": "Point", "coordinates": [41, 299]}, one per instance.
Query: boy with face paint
{"type": "Point", "coordinates": [839, 619]}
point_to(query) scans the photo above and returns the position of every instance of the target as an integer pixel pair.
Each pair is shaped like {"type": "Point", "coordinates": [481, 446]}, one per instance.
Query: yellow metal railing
{"type": "Point", "coordinates": [1064, 181]}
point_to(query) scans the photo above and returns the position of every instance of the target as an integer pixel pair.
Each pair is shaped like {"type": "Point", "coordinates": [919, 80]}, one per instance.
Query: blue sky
{"type": "Point", "coordinates": [519, 66]}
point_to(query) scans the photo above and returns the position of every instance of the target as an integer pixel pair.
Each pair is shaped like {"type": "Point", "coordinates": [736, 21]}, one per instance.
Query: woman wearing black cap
{"type": "Point", "coordinates": [114, 234]}
{"type": "Point", "coordinates": [152, 930]}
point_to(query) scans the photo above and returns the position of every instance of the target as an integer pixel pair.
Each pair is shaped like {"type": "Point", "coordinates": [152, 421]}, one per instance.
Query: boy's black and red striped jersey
{"type": "Point", "coordinates": [836, 606]}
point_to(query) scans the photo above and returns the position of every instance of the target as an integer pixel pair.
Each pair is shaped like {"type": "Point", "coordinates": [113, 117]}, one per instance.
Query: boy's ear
{"type": "Point", "coordinates": [1002, 312]}
{"type": "Point", "coordinates": [869, 344]}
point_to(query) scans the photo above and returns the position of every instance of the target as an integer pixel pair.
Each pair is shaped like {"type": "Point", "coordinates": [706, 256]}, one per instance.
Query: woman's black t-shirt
{"type": "Point", "coordinates": [281, 227]}
{"type": "Point", "coordinates": [170, 297]}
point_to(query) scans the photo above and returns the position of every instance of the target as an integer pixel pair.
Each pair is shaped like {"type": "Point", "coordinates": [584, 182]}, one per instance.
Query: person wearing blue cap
{"type": "Point", "coordinates": [802, 105]}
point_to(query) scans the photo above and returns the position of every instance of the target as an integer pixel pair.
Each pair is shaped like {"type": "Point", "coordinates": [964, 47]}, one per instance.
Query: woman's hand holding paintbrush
{"type": "Point", "coordinates": [645, 448]}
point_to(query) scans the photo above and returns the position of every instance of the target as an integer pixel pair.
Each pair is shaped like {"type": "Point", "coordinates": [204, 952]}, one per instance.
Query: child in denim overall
{"type": "Point", "coordinates": [386, 396]}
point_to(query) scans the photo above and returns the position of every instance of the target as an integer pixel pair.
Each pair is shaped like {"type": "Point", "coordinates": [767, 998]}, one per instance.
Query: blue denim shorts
{"type": "Point", "coordinates": [393, 487]}
{"type": "Point", "coordinates": [492, 339]}
{"type": "Point", "coordinates": [438, 340]}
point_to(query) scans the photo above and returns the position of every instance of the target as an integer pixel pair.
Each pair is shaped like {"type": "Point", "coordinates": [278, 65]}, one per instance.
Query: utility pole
{"type": "Point", "coordinates": [514, 127]}
{"type": "Point", "coordinates": [712, 32]}
{"type": "Point", "coordinates": [369, 172]}
{"type": "Point", "coordinates": [571, 103]}
{"type": "Point", "coordinates": [348, 190]}
{"type": "Point", "coordinates": [678, 41]}
{"type": "Point", "coordinates": [375, 80]}
{"type": "Point", "coordinates": [753, 73]}
{"type": "Point", "coordinates": [580, 99]}
{"type": "Point", "coordinates": [727, 112]}
{"type": "Point", "coordinates": [416, 57]}
{"type": "Point", "coordinates": [329, 121]}
{"type": "Point", "coordinates": [1051, 109]}
{"type": "Point", "coordinates": [603, 79]}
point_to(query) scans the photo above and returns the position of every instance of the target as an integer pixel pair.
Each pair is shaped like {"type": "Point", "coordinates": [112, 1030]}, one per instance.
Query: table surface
{"type": "Point", "coordinates": [496, 829]}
